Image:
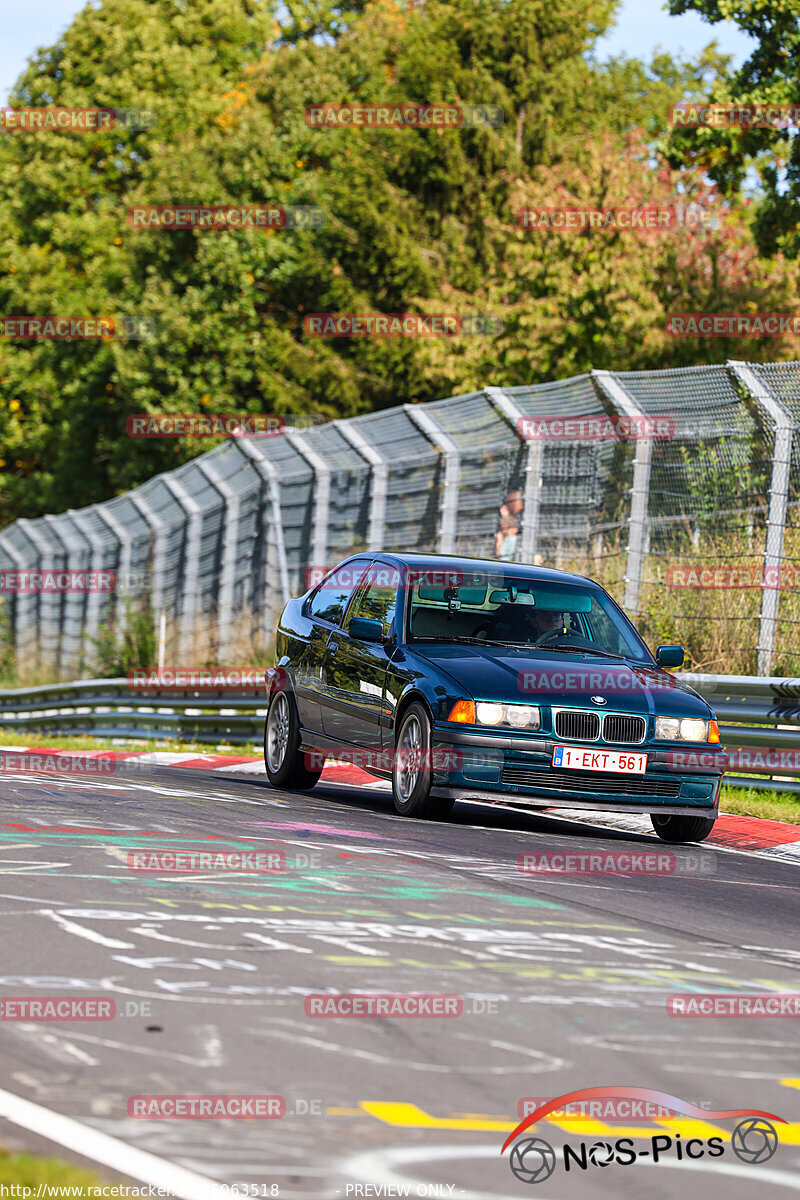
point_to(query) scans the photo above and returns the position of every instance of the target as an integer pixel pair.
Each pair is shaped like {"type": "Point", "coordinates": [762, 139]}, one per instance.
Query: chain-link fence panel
{"type": "Point", "coordinates": [679, 490]}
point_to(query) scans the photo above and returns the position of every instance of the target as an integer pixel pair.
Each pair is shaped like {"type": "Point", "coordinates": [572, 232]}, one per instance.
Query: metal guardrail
{"type": "Point", "coordinates": [759, 723]}
{"type": "Point", "coordinates": [111, 708]}
{"type": "Point", "coordinates": [759, 717]}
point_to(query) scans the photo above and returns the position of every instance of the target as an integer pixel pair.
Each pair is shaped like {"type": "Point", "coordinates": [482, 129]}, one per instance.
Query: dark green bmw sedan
{"type": "Point", "coordinates": [463, 678]}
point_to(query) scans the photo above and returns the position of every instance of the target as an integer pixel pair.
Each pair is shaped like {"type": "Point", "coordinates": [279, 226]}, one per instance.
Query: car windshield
{"type": "Point", "coordinates": [513, 610]}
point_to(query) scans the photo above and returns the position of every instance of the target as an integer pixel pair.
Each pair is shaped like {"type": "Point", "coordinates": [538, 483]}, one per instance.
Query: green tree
{"type": "Point", "coordinates": [417, 220]}
{"type": "Point", "coordinates": [771, 76]}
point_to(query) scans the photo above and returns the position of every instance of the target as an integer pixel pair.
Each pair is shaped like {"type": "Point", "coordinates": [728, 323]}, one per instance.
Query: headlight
{"type": "Point", "coordinates": [522, 716]}
{"type": "Point", "coordinates": [518, 716]}
{"type": "Point", "coordinates": [682, 729]}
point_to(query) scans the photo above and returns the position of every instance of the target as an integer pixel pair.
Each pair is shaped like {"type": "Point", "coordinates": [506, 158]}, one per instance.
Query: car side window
{"type": "Point", "coordinates": [604, 632]}
{"type": "Point", "coordinates": [378, 600]}
{"type": "Point", "coordinates": [329, 601]}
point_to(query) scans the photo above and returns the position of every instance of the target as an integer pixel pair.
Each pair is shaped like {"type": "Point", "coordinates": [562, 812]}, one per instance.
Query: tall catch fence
{"type": "Point", "coordinates": [694, 530]}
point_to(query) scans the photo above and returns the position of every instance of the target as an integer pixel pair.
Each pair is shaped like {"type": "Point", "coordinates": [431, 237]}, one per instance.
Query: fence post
{"type": "Point", "coordinates": [229, 554]}
{"type": "Point", "coordinates": [640, 491]}
{"type": "Point", "coordinates": [452, 472]}
{"type": "Point", "coordinates": [158, 529]}
{"type": "Point", "coordinates": [72, 646]}
{"type": "Point", "coordinates": [192, 527]}
{"type": "Point", "coordinates": [379, 476]}
{"type": "Point", "coordinates": [23, 626]}
{"type": "Point", "coordinates": [534, 462]}
{"type": "Point", "coordinates": [49, 607]}
{"type": "Point", "coordinates": [124, 562]}
{"type": "Point", "coordinates": [269, 475]}
{"type": "Point", "coordinates": [93, 599]}
{"type": "Point", "coordinates": [322, 495]}
{"type": "Point", "coordinates": [776, 518]}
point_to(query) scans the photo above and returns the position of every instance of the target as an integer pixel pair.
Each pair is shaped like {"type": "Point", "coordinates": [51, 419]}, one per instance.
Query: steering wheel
{"type": "Point", "coordinates": [549, 634]}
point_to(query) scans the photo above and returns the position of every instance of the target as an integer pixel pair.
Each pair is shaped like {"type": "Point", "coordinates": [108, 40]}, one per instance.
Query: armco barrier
{"type": "Point", "coordinates": [110, 708]}
{"type": "Point", "coordinates": [759, 718]}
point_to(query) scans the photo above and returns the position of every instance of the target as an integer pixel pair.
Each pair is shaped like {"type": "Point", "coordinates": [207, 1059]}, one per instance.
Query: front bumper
{"type": "Point", "coordinates": [519, 768]}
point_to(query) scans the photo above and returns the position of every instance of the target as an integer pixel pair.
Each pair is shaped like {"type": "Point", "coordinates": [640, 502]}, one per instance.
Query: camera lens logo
{"type": "Point", "coordinates": [754, 1140]}
{"type": "Point", "coordinates": [533, 1160]}
{"type": "Point", "coordinates": [601, 1154]}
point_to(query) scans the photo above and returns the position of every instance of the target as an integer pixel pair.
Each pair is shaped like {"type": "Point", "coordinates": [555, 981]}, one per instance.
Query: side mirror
{"type": "Point", "coordinates": [670, 656]}
{"type": "Point", "coordinates": [364, 629]}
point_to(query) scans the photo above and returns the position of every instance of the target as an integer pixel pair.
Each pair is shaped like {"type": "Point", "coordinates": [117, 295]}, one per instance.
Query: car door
{"type": "Point", "coordinates": [323, 610]}
{"type": "Point", "coordinates": [355, 707]}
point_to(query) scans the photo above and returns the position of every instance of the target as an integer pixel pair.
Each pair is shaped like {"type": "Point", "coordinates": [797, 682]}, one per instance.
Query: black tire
{"type": "Point", "coordinates": [411, 768]}
{"type": "Point", "coordinates": [287, 765]}
{"type": "Point", "coordinates": [673, 828]}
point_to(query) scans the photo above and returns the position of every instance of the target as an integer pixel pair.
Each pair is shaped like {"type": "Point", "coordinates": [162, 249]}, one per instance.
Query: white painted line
{"type": "Point", "coordinates": [110, 1151]}
{"type": "Point", "coordinates": [249, 768]}
{"type": "Point", "coordinates": [162, 758]}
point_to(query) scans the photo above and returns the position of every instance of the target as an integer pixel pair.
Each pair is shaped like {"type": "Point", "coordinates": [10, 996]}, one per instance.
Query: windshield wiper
{"type": "Point", "coordinates": [568, 648]}
{"type": "Point", "coordinates": [429, 637]}
{"type": "Point", "coordinates": [560, 647]}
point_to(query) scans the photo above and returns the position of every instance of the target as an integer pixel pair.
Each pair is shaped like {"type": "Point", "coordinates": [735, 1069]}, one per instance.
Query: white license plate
{"type": "Point", "coordinates": [582, 758]}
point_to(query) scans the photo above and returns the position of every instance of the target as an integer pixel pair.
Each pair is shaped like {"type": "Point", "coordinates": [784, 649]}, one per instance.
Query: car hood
{"type": "Point", "coordinates": [541, 677]}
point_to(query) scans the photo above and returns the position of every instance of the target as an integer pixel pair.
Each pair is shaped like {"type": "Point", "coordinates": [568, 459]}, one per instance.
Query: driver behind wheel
{"type": "Point", "coordinates": [543, 620]}
{"type": "Point", "coordinates": [523, 623]}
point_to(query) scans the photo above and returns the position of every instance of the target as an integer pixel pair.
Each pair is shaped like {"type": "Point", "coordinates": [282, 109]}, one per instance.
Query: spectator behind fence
{"type": "Point", "coordinates": [510, 524]}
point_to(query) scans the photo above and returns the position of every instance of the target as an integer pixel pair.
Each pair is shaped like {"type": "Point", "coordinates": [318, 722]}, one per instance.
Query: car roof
{"type": "Point", "coordinates": [526, 570]}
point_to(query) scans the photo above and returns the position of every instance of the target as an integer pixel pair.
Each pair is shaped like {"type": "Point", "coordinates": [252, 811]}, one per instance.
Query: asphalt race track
{"type": "Point", "coordinates": [563, 981]}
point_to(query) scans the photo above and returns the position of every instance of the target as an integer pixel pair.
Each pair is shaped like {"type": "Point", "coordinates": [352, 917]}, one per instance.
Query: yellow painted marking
{"type": "Point", "coordinates": [355, 960]}
{"type": "Point", "coordinates": [480, 1116]}
{"type": "Point", "coordinates": [793, 1083]}
{"type": "Point", "coordinates": [685, 1126]}
{"type": "Point", "coordinates": [410, 1116]}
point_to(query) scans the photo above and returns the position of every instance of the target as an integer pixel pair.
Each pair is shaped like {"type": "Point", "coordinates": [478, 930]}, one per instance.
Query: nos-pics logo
{"type": "Point", "coordinates": [532, 1160]}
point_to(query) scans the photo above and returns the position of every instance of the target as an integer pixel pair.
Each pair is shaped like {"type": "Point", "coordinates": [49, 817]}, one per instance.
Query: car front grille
{"type": "Point", "coordinates": [580, 781]}
{"type": "Point", "coordinates": [624, 729]}
{"type": "Point", "coordinates": [578, 726]}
